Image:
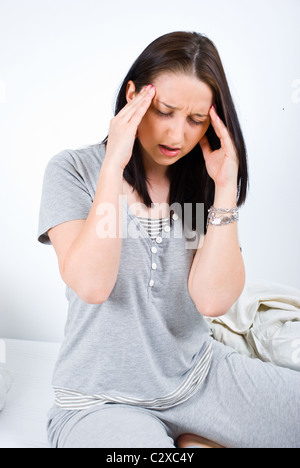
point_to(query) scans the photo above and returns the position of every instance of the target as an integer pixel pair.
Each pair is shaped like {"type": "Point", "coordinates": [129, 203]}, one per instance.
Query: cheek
{"type": "Point", "coordinates": [203, 129]}
{"type": "Point", "coordinates": [148, 130]}
{"type": "Point", "coordinates": [196, 135]}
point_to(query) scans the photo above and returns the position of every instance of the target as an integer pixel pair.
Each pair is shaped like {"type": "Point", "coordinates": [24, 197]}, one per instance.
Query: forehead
{"type": "Point", "coordinates": [183, 91]}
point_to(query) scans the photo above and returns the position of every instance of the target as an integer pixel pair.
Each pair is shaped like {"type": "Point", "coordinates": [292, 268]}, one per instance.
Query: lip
{"type": "Point", "coordinates": [169, 151]}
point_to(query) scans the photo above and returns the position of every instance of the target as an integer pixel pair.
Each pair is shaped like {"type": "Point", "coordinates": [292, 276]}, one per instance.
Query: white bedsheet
{"type": "Point", "coordinates": [24, 416]}
{"type": "Point", "coordinates": [264, 323]}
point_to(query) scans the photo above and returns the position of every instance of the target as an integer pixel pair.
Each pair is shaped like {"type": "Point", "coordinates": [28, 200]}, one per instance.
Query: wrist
{"type": "Point", "coordinates": [112, 168]}
{"type": "Point", "coordinates": [226, 197]}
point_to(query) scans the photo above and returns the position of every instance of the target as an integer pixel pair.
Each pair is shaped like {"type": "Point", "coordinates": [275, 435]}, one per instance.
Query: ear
{"type": "Point", "coordinates": [130, 91]}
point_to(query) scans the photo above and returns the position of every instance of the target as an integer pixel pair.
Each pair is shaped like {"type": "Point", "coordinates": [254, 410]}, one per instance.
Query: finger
{"type": "Point", "coordinates": [141, 109]}
{"type": "Point", "coordinates": [205, 146]}
{"type": "Point", "coordinates": [220, 129]}
{"type": "Point", "coordinates": [128, 111]}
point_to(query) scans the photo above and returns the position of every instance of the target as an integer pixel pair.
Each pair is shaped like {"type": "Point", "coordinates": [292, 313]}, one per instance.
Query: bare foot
{"type": "Point", "coordinates": [187, 440]}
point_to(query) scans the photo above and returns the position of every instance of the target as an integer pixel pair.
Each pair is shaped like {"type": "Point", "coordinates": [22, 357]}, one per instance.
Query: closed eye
{"type": "Point", "coordinates": [163, 114]}
{"type": "Point", "coordinates": [195, 122]}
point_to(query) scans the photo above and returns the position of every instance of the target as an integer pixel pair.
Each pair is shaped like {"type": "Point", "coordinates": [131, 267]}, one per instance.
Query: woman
{"type": "Point", "coordinates": [138, 367]}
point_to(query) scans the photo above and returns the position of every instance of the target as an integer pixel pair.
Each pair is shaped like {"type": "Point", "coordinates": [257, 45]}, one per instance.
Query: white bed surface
{"type": "Point", "coordinates": [24, 417]}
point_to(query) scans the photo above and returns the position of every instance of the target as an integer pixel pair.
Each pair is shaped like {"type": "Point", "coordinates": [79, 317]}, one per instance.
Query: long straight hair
{"type": "Point", "coordinates": [189, 53]}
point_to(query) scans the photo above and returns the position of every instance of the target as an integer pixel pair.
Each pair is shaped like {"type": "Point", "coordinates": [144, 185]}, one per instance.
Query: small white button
{"type": "Point", "coordinates": [158, 240]}
{"type": "Point", "coordinates": [167, 229]}
{"type": "Point", "coordinates": [175, 217]}
{"type": "Point", "coordinates": [154, 250]}
{"type": "Point", "coordinates": [154, 266]}
{"type": "Point", "coordinates": [151, 284]}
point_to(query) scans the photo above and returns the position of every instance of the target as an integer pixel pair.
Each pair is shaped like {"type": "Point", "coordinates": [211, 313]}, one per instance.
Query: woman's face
{"type": "Point", "coordinates": [177, 118]}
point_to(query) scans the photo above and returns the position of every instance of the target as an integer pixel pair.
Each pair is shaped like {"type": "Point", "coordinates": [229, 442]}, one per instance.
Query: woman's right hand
{"type": "Point", "coordinates": [123, 128]}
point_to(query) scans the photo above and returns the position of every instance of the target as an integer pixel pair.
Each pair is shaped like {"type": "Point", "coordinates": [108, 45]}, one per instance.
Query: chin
{"type": "Point", "coordinates": [166, 162]}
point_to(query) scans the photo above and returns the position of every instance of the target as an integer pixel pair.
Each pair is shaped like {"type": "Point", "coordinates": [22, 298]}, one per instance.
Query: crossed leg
{"type": "Point", "coordinates": [112, 426]}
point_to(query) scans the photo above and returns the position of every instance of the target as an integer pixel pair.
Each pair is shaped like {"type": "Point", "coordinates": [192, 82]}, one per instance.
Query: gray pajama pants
{"type": "Point", "coordinates": [243, 403]}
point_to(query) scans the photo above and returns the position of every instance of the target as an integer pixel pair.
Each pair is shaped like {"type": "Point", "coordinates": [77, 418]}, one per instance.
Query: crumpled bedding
{"type": "Point", "coordinates": [264, 323]}
{"type": "Point", "coordinates": [5, 381]}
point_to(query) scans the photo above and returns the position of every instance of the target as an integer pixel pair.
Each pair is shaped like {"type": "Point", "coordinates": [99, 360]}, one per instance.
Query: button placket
{"type": "Point", "coordinates": [154, 251]}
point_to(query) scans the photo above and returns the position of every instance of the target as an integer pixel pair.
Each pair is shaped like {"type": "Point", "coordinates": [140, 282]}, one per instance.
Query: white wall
{"type": "Point", "coordinates": [61, 64]}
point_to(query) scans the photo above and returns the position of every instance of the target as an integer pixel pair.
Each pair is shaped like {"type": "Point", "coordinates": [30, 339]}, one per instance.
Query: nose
{"type": "Point", "coordinates": [176, 133]}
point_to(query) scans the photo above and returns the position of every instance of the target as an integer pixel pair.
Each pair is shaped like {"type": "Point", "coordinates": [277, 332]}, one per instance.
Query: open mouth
{"type": "Point", "coordinates": [169, 151]}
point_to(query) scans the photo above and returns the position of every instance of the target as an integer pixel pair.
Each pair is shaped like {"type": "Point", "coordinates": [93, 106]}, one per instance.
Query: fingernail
{"type": "Point", "coordinates": [213, 107]}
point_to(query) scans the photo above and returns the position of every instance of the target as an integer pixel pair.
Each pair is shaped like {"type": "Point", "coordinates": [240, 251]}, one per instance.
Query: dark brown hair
{"type": "Point", "coordinates": [192, 53]}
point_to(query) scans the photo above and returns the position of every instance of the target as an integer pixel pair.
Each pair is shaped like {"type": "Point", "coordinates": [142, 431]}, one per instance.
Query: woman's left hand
{"type": "Point", "coordinates": [222, 164]}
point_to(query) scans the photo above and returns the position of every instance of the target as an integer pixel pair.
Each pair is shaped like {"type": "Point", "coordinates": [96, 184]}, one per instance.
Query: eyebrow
{"type": "Point", "coordinates": [176, 108]}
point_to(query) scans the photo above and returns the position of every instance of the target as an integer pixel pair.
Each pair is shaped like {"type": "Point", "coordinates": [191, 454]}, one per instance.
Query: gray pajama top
{"type": "Point", "coordinates": [147, 344]}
